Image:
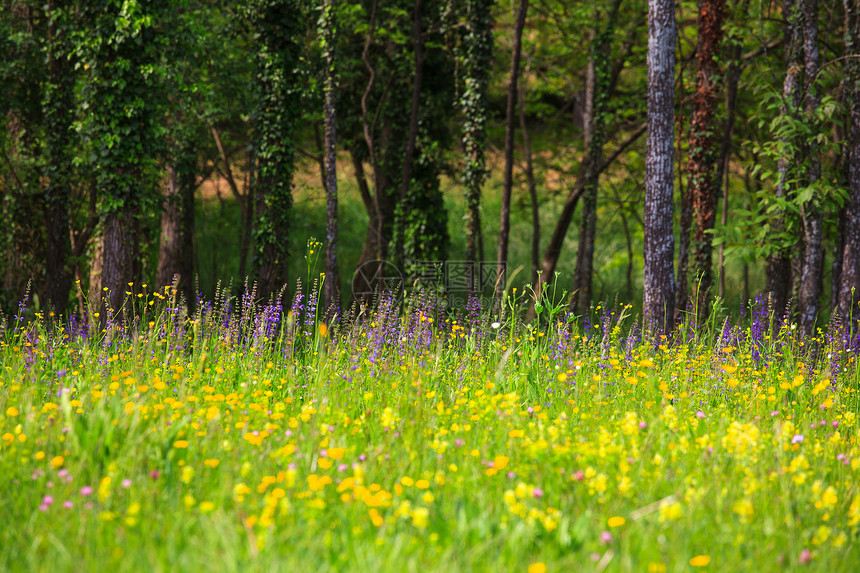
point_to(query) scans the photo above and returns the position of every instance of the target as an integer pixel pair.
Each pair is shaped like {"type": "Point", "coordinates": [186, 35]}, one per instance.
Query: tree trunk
{"type": "Point", "coordinates": [278, 53]}
{"type": "Point", "coordinates": [510, 118]}
{"type": "Point", "coordinates": [659, 253]}
{"type": "Point", "coordinates": [812, 215]}
{"type": "Point", "coordinates": [532, 184]}
{"type": "Point", "coordinates": [838, 254]}
{"type": "Point", "coordinates": [176, 247]}
{"type": "Point", "coordinates": [685, 223]}
{"type": "Point", "coordinates": [778, 276]}
{"type": "Point", "coordinates": [187, 187]}
{"type": "Point", "coordinates": [596, 100]}
{"type": "Point", "coordinates": [849, 292]}
{"type": "Point", "coordinates": [170, 253]}
{"type": "Point", "coordinates": [704, 151]}
{"type": "Point", "coordinates": [58, 102]}
{"type": "Point", "coordinates": [409, 155]}
{"type": "Point", "coordinates": [733, 74]}
{"type": "Point", "coordinates": [477, 58]}
{"type": "Point", "coordinates": [553, 249]}
{"type": "Point", "coordinates": [95, 293]}
{"type": "Point", "coordinates": [331, 290]}
{"type": "Point", "coordinates": [247, 215]}
{"type": "Point", "coordinates": [121, 259]}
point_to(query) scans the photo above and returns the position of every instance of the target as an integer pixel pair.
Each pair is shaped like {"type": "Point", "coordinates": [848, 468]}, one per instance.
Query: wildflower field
{"type": "Point", "coordinates": [411, 439]}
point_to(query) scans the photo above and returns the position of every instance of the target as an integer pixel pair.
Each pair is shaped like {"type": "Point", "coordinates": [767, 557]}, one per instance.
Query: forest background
{"type": "Point", "coordinates": [210, 141]}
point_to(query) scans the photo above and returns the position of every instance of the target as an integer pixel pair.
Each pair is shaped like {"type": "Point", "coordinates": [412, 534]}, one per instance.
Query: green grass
{"type": "Point", "coordinates": [417, 443]}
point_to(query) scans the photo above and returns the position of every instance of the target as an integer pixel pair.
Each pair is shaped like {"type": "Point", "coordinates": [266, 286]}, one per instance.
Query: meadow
{"type": "Point", "coordinates": [407, 438]}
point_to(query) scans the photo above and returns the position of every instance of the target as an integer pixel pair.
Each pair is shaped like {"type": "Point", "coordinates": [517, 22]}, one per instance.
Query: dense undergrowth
{"type": "Point", "coordinates": [406, 438]}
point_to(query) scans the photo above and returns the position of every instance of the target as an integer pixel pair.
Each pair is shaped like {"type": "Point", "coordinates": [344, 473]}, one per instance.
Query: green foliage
{"type": "Point", "coordinates": [120, 47]}
{"type": "Point", "coordinates": [752, 234]}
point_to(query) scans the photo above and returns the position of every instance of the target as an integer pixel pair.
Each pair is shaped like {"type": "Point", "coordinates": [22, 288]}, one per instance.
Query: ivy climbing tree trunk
{"type": "Point", "coordinates": [596, 111]}
{"type": "Point", "coordinates": [811, 214]}
{"type": "Point", "coordinates": [849, 291]}
{"type": "Point", "coordinates": [704, 151]}
{"type": "Point", "coordinates": [120, 43]}
{"type": "Point", "coordinates": [278, 25]}
{"type": "Point", "coordinates": [778, 276]}
{"type": "Point", "coordinates": [58, 110]}
{"type": "Point", "coordinates": [417, 75]}
{"type": "Point", "coordinates": [477, 52]}
{"type": "Point", "coordinates": [331, 291]}
{"type": "Point", "coordinates": [510, 126]}
{"type": "Point", "coordinates": [659, 252]}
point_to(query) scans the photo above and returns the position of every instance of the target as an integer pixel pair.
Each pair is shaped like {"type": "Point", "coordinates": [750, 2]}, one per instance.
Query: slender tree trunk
{"type": "Point", "coordinates": [95, 294]}
{"type": "Point", "coordinates": [510, 119]}
{"type": "Point", "coordinates": [685, 223]}
{"type": "Point", "coordinates": [596, 100]}
{"type": "Point", "coordinates": [187, 187]}
{"type": "Point", "coordinates": [659, 280]}
{"type": "Point", "coordinates": [812, 215]}
{"type": "Point", "coordinates": [373, 239]}
{"type": "Point", "coordinates": [532, 184]}
{"type": "Point", "coordinates": [778, 276]}
{"type": "Point", "coordinates": [553, 249]}
{"type": "Point", "coordinates": [704, 151]}
{"type": "Point", "coordinates": [836, 266]}
{"type": "Point", "coordinates": [331, 291]}
{"type": "Point", "coordinates": [849, 292]}
{"type": "Point", "coordinates": [247, 215]}
{"type": "Point", "coordinates": [733, 74]}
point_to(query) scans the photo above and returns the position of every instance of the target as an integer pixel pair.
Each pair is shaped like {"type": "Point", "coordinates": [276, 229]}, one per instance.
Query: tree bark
{"type": "Point", "coordinates": [247, 215]}
{"type": "Point", "coordinates": [704, 152]}
{"type": "Point", "coordinates": [170, 253]}
{"type": "Point", "coordinates": [176, 247]}
{"type": "Point", "coordinates": [812, 215]}
{"type": "Point", "coordinates": [849, 292]}
{"type": "Point", "coordinates": [418, 74]}
{"type": "Point", "coordinates": [477, 47]}
{"type": "Point", "coordinates": [187, 187]}
{"type": "Point", "coordinates": [331, 290]}
{"type": "Point", "coordinates": [95, 293]}
{"type": "Point", "coordinates": [596, 103]}
{"type": "Point", "coordinates": [121, 266]}
{"type": "Point", "coordinates": [733, 73]}
{"type": "Point", "coordinates": [532, 185]}
{"type": "Point", "coordinates": [778, 276]}
{"type": "Point", "coordinates": [510, 119]}
{"type": "Point", "coordinates": [58, 102]}
{"type": "Point", "coordinates": [659, 280]}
